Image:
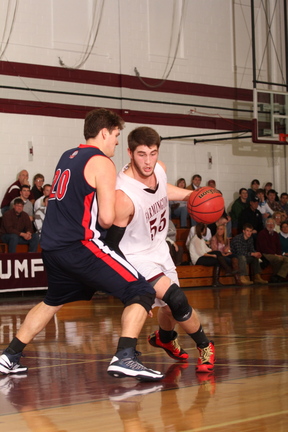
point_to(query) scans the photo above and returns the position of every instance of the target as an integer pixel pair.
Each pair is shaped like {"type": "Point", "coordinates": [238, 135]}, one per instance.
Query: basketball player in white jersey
{"type": "Point", "coordinates": [140, 229]}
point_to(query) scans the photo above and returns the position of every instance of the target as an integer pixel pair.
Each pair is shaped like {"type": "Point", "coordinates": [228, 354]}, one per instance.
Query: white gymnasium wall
{"type": "Point", "coordinates": [215, 48]}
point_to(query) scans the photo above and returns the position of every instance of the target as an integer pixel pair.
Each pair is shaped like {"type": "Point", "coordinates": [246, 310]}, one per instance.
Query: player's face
{"type": "Point", "coordinates": [144, 159]}
{"type": "Point", "coordinates": [111, 141]}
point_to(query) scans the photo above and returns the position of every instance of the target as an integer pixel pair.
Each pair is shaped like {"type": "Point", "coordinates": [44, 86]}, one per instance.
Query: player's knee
{"type": "Point", "coordinates": [178, 303]}
{"type": "Point", "coordinates": [145, 300]}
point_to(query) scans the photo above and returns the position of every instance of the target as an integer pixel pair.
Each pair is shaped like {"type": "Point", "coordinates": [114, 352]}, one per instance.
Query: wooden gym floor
{"type": "Point", "coordinates": [67, 388]}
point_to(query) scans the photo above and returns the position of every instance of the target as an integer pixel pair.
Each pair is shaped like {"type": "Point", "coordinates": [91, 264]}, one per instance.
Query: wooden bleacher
{"type": "Point", "coordinates": [200, 276]}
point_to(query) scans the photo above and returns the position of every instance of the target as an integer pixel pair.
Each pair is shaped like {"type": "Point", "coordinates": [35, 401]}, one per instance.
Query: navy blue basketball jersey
{"type": "Point", "coordinates": [72, 210]}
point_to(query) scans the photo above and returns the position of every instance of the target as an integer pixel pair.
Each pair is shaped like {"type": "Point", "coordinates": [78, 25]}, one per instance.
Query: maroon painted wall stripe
{"type": "Point", "coordinates": [127, 81]}
{"type": "Point", "coordinates": [143, 117]}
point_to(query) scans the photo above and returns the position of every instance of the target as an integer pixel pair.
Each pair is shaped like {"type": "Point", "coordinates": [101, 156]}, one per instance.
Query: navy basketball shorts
{"type": "Point", "coordinates": [76, 272]}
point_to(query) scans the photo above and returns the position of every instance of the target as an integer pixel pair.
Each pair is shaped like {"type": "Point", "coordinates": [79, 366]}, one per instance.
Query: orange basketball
{"type": "Point", "coordinates": [205, 205]}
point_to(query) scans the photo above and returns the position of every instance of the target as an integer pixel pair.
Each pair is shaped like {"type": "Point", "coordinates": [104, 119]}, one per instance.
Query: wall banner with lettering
{"type": "Point", "coordinates": [22, 272]}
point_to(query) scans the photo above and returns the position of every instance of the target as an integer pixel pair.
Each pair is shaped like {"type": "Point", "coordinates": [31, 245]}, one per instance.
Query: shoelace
{"type": "Point", "coordinates": [176, 345]}
{"type": "Point", "coordinates": [205, 354]}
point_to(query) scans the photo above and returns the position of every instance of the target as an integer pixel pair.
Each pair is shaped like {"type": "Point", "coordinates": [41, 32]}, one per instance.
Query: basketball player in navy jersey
{"type": "Point", "coordinates": [78, 262]}
{"type": "Point", "coordinates": [140, 227]}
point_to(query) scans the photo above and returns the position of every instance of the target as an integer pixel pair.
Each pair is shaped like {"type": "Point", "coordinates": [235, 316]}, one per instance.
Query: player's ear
{"type": "Point", "coordinates": [104, 133]}
{"type": "Point", "coordinates": [129, 152]}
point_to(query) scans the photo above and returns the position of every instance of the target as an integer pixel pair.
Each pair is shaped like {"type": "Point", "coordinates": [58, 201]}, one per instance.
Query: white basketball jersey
{"type": "Point", "coordinates": [144, 241]}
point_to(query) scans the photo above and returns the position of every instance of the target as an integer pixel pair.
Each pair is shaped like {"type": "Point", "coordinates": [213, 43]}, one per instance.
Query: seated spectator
{"type": "Point", "coordinates": [220, 242]}
{"type": "Point", "coordinates": [207, 237]}
{"type": "Point", "coordinates": [268, 243]}
{"type": "Point", "coordinates": [278, 218]}
{"type": "Point", "coordinates": [179, 208]}
{"type": "Point", "coordinates": [283, 235]}
{"type": "Point", "coordinates": [267, 188]}
{"type": "Point", "coordinates": [242, 246]}
{"type": "Point", "coordinates": [28, 206]}
{"type": "Point", "coordinates": [176, 251]}
{"type": "Point", "coordinates": [211, 183]}
{"type": "Point", "coordinates": [195, 182]}
{"type": "Point", "coordinates": [239, 205]}
{"type": "Point", "coordinates": [263, 207]}
{"type": "Point", "coordinates": [252, 216]}
{"type": "Point", "coordinates": [37, 188]}
{"type": "Point", "coordinates": [271, 201]}
{"type": "Point", "coordinates": [16, 228]}
{"type": "Point", "coordinates": [253, 189]}
{"type": "Point", "coordinates": [201, 254]}
{"type": "Point", "coordinates": [14, 190]}
{"type": "Point", "coordinates": [40, 216]}
{"type": "Point", "coordinates": [46, 192]}
{"type": "Point", "coordinates": [284, 202]}
{"type": "Point", "coordinates": [224, 220]}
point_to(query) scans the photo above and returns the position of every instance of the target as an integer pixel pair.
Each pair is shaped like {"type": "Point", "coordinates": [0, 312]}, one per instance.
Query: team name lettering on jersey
{"type": "Point", "coordinates": [156, 208]}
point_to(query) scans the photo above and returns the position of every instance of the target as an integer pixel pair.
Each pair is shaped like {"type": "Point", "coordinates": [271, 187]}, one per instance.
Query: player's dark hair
{"type": "Point", "coordinates": [143, 135]}
{"type": "Point", "coordinates": [99, 119]}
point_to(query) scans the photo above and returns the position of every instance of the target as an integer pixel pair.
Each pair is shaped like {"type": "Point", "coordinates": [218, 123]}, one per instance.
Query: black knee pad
{"type": "Point", "coordinates": [178, 303]}
{"type": "Point", "coordinates": [145, 300]}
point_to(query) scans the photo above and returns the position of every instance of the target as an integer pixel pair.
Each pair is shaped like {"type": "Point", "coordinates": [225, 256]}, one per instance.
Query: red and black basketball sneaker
{"type": "Point", "coordinates": [206, 359]}
{"type": "Point", "coordinates": [172, 348]}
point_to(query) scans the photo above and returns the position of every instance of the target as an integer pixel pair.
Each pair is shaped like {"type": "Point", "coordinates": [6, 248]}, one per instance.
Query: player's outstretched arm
{"type": "Point", "coordinates": [177, 194]}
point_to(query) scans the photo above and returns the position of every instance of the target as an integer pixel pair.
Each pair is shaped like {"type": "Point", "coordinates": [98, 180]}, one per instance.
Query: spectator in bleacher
{"type": "Point", "coordinates": [242, 246]}
{"type": "Point", "coordinates": [176, 251]}
{"type": "Point", "coordinates": [268, 243]}
{"type": "Point", "coordinates": [16, 228]}
{"type": "Point", "coordinates": [179, 208]}
{"type": "Point", "coordinates": [40, 215]}
{"type": "Point", "coordinates": [201, 254]}
{"type": "Point", "coordinates": [283, 235]}
{"type": "Point", "coordinates": [238, 206]}
{"type": "Point", "coordinates": [207, 237]}
{"type": "Point", "coordinates": [278, 218]}
{"type": "Point", "coordinates": [267, 188]}
{"type": "Point", "coordinates": [211, 183]}
{"type": "Point", "coordinates": [220, 242]}
{"type": "Point", "coordinates": [262, 205]}
{"type": "Point", "coordinates": [271, 201]}
{"type": "Point", "coordinates": [195, 185]}
{"type": "Point", "coordinates": [37, 188]}
{"type": "Point", "coordinates": [195, 182]}
{"type": "Point", "coordinates": [40, 201]}
{"type": "Point", "coordinates": [14, 190]}
{"type": "Point", "coordinates": [253, 189]}
{"type": "Point", "coordinates": [253, 216]}
{"type": "Point", "coordinates": [28, 206]}
{"type": "Point", "coordinates": [284, 202]}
